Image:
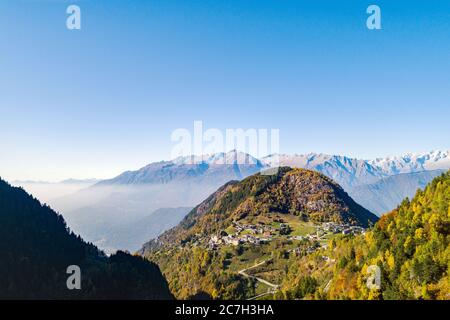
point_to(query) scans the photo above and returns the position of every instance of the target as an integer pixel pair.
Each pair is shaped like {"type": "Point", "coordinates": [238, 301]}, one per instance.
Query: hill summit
{"type": "Point", "coordinates": [309, 195]}
{"type": "Point", "coordinates": [257, 222]}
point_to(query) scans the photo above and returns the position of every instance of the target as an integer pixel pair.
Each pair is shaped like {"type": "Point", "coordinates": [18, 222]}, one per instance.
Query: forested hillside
{"type": "Point", "coordinates": [218, 249]}
{"type": "Point", "coordinates": [36, 248]}
{"type": "Point", "coordinates": [410, 245]}
{"type": "Point", "coordinates": [261, 218]}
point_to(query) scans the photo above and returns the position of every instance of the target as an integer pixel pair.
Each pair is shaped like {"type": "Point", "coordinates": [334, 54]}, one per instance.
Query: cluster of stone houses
{"type": "Point", "coordinates": [260, 229]}
{"type": "Point", "coordinates": [261, 233]}
{"type": "Point", "coordinates": [311, 237]}
{"type": "Point", "coordinates": [341, 228]}
{"type": "Point", "coordinates": [235, 240]}
{"type": "Point", "coordinates": [264, 232]}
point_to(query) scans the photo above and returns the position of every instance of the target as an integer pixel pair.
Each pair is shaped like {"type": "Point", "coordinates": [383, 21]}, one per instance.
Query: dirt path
{"type": "Point", "coordinates": [273, 287]}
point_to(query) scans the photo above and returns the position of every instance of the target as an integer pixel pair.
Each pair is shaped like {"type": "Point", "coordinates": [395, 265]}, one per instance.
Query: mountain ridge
{"type": "Point", "coordinates": [232, 165]}
{"type": "Point", "coordinates": [347, 171]}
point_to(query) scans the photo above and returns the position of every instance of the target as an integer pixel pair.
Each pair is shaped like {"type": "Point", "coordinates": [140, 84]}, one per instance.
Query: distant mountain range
{"type": "Point", "coordinates": [99, 212]}
{"type": "Point", "coordinates": [413, 162]}
{"type": "Point", "coordinates": [348, 172]}
{"type": "Point", "coordinates": [218, 167]}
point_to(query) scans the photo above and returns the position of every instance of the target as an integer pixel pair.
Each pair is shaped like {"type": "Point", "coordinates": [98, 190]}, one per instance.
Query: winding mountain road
{"type": "Point", "coordinates": [273, 287]}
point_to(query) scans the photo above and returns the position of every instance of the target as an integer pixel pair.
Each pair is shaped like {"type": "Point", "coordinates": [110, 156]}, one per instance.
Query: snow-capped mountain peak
{"type": "Point", "coordinates": [348, 172]}
{"type": "Point", "coordinates": [413, 162]}
{"type": "Point", "coordinates": [351, 171]}
{"type": "Point", "coordinates": [230, 157]}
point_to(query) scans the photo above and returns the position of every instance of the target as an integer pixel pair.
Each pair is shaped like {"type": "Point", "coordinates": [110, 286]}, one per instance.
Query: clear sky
{"type": "Point", "coordinates": [104, 99]}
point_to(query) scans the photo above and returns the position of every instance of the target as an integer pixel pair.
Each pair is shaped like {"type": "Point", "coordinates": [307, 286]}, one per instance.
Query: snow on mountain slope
{"type": "Point", "coordinates": [221, 167]}
{"type": "Point", "coordinates": [234, 165]}
{"type": "Point", "coordinates": [350, 172]}
{"type": "Point", "coordinates": [230, 158]}
{"type": "Point", "coordinates": [413, 162]}
{"type": "Point", "coordinates": [346, 171]}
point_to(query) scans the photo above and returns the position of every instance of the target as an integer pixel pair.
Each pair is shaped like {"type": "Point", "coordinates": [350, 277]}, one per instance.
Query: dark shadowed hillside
{"type": "Point", "coordinates": [36, 248]}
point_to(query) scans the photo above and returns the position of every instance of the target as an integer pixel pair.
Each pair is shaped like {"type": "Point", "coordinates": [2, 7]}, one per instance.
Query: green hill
{"type": "Point", "coordinates": [36, 248]}
{"type": "Point", "coordinates": [260, 218]}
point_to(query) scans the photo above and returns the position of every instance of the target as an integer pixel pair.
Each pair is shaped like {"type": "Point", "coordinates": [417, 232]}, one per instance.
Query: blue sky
{"type": "Point", "coordinates": [105, 99]}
